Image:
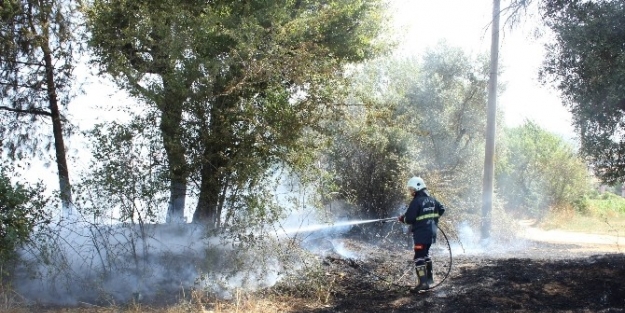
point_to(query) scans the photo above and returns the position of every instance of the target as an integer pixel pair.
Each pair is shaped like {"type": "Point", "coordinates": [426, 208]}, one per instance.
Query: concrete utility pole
{"type": "Point", "coordinates": [491, 122]}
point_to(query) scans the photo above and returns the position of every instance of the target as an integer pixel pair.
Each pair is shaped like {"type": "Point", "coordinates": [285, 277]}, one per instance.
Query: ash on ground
{"type": "Point", "coordinates": [523, 276]}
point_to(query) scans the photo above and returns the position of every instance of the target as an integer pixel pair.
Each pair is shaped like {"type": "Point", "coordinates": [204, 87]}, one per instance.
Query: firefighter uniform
{"type": "Point", "coordinates": [422, 216]}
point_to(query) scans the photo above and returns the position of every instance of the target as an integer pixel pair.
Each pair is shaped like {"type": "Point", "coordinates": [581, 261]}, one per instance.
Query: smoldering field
{"type": "Point", "coordinates": [74, 262]}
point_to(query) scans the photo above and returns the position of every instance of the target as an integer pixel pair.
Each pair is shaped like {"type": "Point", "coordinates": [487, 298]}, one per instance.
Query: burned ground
{"type": "Point", "coordinates": [376, 275]}
{"type": "Point", "coordinates": [537, 277]}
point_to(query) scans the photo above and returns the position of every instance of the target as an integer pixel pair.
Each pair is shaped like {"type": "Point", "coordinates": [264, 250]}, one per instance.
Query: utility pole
{"type": "Point", "coordinates": [491, 122]}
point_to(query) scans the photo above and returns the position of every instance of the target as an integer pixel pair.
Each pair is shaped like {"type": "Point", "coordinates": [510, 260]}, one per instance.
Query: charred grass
{"type": "Point", "coordinates": [538, 277]}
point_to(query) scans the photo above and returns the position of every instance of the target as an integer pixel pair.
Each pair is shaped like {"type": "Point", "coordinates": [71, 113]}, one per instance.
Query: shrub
{"type": "Point", "coordinates": [539, 171]}
{"type": "Point", "coordinates": [21, 209]}
{"type": "Point", "coordinates": [607, 203]}
{"type": "Point", "coordinates": [582, 205]}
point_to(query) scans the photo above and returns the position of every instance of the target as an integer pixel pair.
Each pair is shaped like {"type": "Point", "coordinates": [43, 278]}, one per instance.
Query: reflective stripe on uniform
{"type": "Point", "coordinates": [426, 216]}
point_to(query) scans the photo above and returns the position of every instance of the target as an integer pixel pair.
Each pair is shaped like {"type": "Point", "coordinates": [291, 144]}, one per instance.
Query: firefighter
{"type": "Point", "coordinates": [422, 216]}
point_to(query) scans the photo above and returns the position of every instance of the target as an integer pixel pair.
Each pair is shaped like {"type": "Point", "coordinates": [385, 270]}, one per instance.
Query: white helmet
{"type": "Point", "coordinates": [416, 183]}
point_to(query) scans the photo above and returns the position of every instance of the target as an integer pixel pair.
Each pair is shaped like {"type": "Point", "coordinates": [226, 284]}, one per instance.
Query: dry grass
{"type": "Point", "coordinates": [242, 301]}
{"type": "Point", "coordinates": [10, 301]}
{"type": "Point", "coordinates": [311, 289]}
{"type": "Point", "coordinates": [610, 223]}
{"type": "Point", "coordinates": [245, 304]}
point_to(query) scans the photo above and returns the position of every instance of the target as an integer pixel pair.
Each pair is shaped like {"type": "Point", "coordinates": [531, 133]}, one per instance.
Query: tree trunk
{"type": "Point", "coordinates": [212, 177]}
{"type": "Point", "coordinates": [491, 119]}
{"type": "Point", "coordinates": [171, 118]}
{"type": "Point", "coordinates": [207, 210]}
{"type": "Point", "coordinates": [177, 198]}
{"type": "Point", "coordinates": [57, 129]}
{"type": "Point", "coordinates": [217, 142]}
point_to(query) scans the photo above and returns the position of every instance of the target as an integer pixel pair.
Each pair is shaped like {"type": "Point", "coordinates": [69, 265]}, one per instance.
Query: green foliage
{"type": "Point", "coordinates": [366, 156]}
{"type": "Point", "coordinates": [367, 160]}
{"type": "Point", "coordinates": [38, 43]}
{"type": "Point", "coordinates": [598, 213]}
{"type": "Point", "coordinates": [538, 171]}
{"type": "Point", "coordinates": [587, 61]}
{"type": "Point", "coordinates": [444, 110]}
{"type": "Point", "coordinates": [607, 203]}
{"type": "Point", "coordinates": [581, 205]}
{"type": "Point", "coordinates": [30, 31]}
{"type": "Point", "coordinates": [237, 84]}
{"type": "Point", "coordinates": [21, 209]}
{"type": "Point", "coordinates": [410, 117]}
{"type": "Point", "coordinates": [125, 181]}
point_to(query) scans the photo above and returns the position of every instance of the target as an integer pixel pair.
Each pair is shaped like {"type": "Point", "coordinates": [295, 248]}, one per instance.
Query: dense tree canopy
{"type": "Point", "coordinates": [367, 156]}
{"type": "Point", "coordinates": [236, 83]}
{"type": "Point", "coordinates": [587, 61]}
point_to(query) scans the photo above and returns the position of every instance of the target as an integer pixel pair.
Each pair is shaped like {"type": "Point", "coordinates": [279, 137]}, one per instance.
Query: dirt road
{"type": "Point", "coordinates": [586, 242]}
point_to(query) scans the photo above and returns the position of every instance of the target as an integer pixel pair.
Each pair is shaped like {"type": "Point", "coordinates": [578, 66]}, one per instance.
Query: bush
{"type": "Point", "coordinates": [582, 205]}
{"type": "Point", "coordinates": [539, 171]}
{"type": "Point", "coordinates": [367, 168]}
{"type": "Point", "coordinates": [21, 209]}
{"type": "Point", "coordinates": [607, 203]}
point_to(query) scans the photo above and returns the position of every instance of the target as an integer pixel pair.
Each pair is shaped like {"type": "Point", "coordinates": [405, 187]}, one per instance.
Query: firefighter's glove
{"type": "Point", "coordinates": [401, 218]}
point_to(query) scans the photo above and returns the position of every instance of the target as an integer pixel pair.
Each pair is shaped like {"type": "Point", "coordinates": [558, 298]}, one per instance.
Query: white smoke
{"type": "Point", "coordinates": [318, 231]}
{"type": "Point", "coordinates": [470, 242]}
{"type": "Point", "coordinates": [76, 261]}
{"type": "Point", "coordinates": [339, 248]}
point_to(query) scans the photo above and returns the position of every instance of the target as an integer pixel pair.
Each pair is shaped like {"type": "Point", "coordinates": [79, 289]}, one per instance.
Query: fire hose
{"type": "Point", "coordinates": [445, 276]}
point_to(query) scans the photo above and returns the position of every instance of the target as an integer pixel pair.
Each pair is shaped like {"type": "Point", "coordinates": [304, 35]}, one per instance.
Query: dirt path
{"type": "Point", "coordinates": [586, 242]}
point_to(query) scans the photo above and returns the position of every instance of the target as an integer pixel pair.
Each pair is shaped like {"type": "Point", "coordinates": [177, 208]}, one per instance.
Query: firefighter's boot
{"type": "Point", "coordinates": [422, 277]}
{"type": "Point", "coordinates": [428, 268]}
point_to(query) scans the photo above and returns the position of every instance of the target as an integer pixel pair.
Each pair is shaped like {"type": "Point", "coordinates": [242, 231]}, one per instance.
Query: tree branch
{"type": "Point", "coordinates": [35, 85]}
{"type": "Point", "coordinates": [29, 111]}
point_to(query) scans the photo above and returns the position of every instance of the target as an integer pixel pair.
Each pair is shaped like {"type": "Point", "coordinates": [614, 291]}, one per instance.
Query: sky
{"type": "Point", "coordinates": [466, 24]}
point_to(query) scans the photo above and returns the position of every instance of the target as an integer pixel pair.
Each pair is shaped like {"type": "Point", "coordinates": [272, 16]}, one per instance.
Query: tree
{"type": "Point", "coordinates": [37, 42]}
{"type": "Point", "coordinates": [125, 178]}
{"type": "Point", "coordinates": [235, 83]}
{"type": "Point", "coordinates": [445, 109]}
{"type": "Point", "coordinates": [410, 116]}
{"type": "Point", "coordinates": [587, 62]}
{"type": "Point", "coordinates": [142, 45]}
{"type": "Point", "coordinates": [365, 162]}
{"type": "Point", "coordinates": [538, 171]}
